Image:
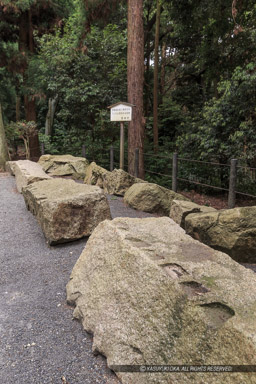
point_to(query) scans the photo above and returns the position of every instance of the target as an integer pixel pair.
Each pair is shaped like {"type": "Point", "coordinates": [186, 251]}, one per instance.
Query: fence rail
{"type": "Point", "coordinates": [227, 174]}
{"type": "Point", "coordinates": [231, 173]}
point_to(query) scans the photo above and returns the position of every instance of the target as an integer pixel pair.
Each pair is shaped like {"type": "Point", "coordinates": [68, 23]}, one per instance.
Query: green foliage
{"type": "Point", "coordinates": [20, 130]}
{"type": "Point", "coordinates": [207, 80]}
{"type": "Point", "coordinates": [86, 81]}
{"type": "Point", "coordinates": [227, 125]}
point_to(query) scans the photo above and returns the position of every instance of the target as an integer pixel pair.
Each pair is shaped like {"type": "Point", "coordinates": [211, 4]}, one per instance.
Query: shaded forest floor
{"type": "Point", "coordinates": [217, 201]}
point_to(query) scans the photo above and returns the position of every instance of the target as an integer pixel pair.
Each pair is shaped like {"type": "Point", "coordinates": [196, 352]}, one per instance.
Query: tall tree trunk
{"type": "Point", "coordinates": [52, 104]}
{"type": "Point", "coordinates": [156, 61]}
{"type": "Point", "coordinates": [26, 44]}
{"type": "Point", "coordinates": [163, 65]}
{"type": "Point", "coordinates": [135, 80]}
{"type": "Point", "coordinates": [17, 108]}
{"type": "Point", "coordinates": [30, 108]}
{"type": "Point", "coordinates": [3, 143]}
{"type": "Point", "coordinates": [147, 79]}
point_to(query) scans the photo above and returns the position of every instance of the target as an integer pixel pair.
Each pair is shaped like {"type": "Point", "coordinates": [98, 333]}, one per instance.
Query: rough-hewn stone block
{"type": "Point", "coordinates": [65, 209]}
{"type": "Point", "coordinates": [95, 175]}
{"type": "Point", "coordinates": [64, 165]}
{"type": "Point", "coordinates": [118, 182]}
{"type": "Point", "coordinates": [181, 209]}
{"type": "Point", "coordinates": [9, 167]}
{"type": "Point", "coordinates": [232, 231]}
{"type": "Point", "coordinates": [151, 294]}
{"type": "Point", "coordinates": [27, 172]}
{"type": "Point", "coordinates": [151, 197]}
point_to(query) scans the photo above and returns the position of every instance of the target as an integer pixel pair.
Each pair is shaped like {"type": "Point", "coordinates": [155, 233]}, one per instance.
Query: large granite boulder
{"type": "Point", "coordinates": [150, 294]}
{"type": "Point", "coordinates": [151, 198]}
{"type": "Point", "coordinates": [118, 182]}
{"type": "Point", "coordinates": [180, 209]}
{"type": "Point", "coordinates": [66, 210]}
{"type": "Point", "coordinates": [64, 165]}
{"type": "Point", "coordinates": [27, 172]}
{"type": "Point", "coordinates": [232, 231]}
{"type": "Point", "coordinates": [95, 175]}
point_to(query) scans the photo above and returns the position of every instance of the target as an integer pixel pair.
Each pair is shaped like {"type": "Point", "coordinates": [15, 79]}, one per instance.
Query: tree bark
{"type": "Point", "coordinates": [156, 61]}
{"type": "Point", "coordinates": [26, 44]}
{"type": "Point", "coordinates": [135, 80]}
{"type": "Point", "coordinates": [52, 104]}
{"type": "Point", "coordinates": [17, 108]}
{"type": "Point", "coordinates": [3, 143]}
{"type": "Point", "coordinates": [163, 65]}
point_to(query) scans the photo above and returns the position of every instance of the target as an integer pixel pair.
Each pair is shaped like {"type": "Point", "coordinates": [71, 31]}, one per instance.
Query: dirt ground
{"type": "Point", "coordinates": [217, 201]}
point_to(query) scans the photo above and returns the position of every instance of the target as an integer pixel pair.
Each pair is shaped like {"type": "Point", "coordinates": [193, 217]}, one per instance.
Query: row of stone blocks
{"type": "Point", "coordinates": [149, 293]}
{"type": "Point", "coordinates": [66, 210]}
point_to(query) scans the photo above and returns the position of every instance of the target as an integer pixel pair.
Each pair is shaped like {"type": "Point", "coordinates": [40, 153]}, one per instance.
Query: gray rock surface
{"type": "Point", "coordinates": [66, 210]}
{"type": "Point", "coordinates": [181, 209]}
{"type": "Point", "coordinates": [10, 167]}
{"type": "Point", "coordinates": [95, 175]}
{"type": "Point", "coordinates": [151, 197]}
{"type": "Point", "coordinates": [64, 165]}
{"type": "Point", "coordinates": [150, 294]}
{"type": "Point", "coordinates": [27, 172]}
{"type": "Point", "coordinates": [118, 182]}
{"type": "Point", "coordinates": [232, 231]}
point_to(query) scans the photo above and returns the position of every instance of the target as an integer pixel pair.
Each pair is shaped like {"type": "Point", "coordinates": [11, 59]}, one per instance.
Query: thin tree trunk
{"type": "Point", "coordinates": [26, 44]}
{"type": "Point", "coordinates": [30, 33]}
{"type": "Point", "coordinates": [3, 143]}
{"type": "Point", "coordinates": [147, 76]}
{"type": "Point", "coordinates": [156, 60]}
{"type": "Point", "coordinates": [52, 104]}
{"type": "Point", "coordinates": [17, 108]}
{"type": "Point", "coordinates": [135, 80]}
{"type": "Point", "coordinates": [163, 65]}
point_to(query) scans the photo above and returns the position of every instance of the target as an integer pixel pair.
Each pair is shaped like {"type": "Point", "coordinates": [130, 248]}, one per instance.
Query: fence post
{"type": "Point", "coordinates": [42, 149]}
{"type": "Point", "coordinates": [136, 162]}
{"type": "Point", "coordinates": [83, 151]}
{"type": "Point", "coordinates": [111, 158]}
{"type": "Point", "coordinates": [174, 171]}
{"type": "Point", "coordinates": [232, 184]}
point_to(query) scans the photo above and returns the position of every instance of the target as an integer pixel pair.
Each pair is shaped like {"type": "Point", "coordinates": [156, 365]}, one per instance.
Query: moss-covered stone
{"type": "Point", "coordinates": [232, 231]}
{"type": "Point", "coordinates": [180, 209]}
{"type": "Point", "coordinates": [151, 198]}
{"type": "Point", "coordinates": [64, 165]}
{"type": "Point", "coordinates": [118, 182]}
{"type": "Point", "coordinates": [95, 175]}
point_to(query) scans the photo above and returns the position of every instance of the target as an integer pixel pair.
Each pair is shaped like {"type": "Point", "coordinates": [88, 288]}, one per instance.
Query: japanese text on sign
{"type": "Point", "coordinates": [121, 113]}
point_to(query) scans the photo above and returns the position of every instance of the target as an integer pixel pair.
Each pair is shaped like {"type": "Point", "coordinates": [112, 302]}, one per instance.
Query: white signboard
{"type": "Point", "coordinates": [121, 112]}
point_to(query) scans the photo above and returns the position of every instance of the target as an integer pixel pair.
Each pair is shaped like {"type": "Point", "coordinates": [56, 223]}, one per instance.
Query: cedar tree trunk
{"type": "Point", "coordinates": [135, 79]}
{"type": "Point", "coordinates": [156, 60]}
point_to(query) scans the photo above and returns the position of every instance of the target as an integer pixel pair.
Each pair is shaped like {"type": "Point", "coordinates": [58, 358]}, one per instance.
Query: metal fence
{"type": "Point", "coordinates": [173, 172]}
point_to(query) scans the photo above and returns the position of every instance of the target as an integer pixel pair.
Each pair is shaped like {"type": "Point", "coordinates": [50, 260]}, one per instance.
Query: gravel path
{"type": "Point", "coordinates": [39, 341]}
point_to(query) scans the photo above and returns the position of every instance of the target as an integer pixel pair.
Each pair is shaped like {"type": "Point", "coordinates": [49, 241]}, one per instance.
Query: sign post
{"type": "Point", "coordinates": [121, 112]}
{"type": "Point", "coordinates": [122, 145]}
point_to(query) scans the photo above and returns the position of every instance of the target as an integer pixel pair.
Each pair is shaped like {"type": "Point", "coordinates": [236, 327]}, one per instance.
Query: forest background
{"type": "Point", "coordinates": [63, 62]}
